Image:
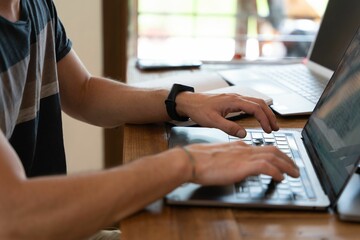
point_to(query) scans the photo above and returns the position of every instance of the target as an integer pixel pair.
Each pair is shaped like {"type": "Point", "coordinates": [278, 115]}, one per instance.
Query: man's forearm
{"type": "Point", "coordinates": [105, 102]}
{"type": "Point", "coordinates": [108, 103]}
{"type": "Point", "coordinates": [96, 200]}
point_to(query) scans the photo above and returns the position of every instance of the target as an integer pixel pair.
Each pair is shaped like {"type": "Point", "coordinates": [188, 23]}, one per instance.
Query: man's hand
{"type": "Point", "coordinates": [219, 164]}
{"type": "Point", "coordinates": [209, 110]}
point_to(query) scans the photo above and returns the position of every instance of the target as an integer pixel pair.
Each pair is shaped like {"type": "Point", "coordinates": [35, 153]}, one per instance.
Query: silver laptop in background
{"type": "Point", "coordinates": [296, 88]}
{"type": "Point", "coordinates": [327, 152]}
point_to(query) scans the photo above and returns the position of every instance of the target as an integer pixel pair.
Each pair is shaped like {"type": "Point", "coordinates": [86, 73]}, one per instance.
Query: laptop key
{"type": "Point", "coordinates": [286, 196]}
{"type": "Point", "coordinates": [269, 141]}
{"type": "Point", "coordinates": [300, 196]}
{"type": "Point", "coordinates": [256, 135]}
{"type": "Point", "coordinates": [258, 141]}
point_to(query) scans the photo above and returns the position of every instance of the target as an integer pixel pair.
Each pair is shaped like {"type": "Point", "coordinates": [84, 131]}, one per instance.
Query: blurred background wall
{"type": "Point", "coordinates": [83, 22]}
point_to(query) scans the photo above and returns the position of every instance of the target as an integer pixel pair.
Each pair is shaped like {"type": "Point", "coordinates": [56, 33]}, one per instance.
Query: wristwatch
{"type": "Point", "coordinates": [171, 104]}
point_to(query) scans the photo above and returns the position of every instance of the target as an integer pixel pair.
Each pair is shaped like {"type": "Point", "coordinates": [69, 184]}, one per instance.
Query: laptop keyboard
{"type": "Point", "coordinates": [297, 78]}
{"type": "Point", "coordinates": [262, 186]}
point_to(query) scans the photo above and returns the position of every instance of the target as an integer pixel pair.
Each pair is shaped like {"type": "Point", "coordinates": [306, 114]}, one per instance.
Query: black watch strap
{"type": "Point", "coordinates": [171, 104]}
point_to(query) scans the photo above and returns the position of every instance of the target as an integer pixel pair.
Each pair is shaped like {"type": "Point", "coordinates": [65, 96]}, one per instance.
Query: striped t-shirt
{"type": "Point", "coordinates": [30, 111]}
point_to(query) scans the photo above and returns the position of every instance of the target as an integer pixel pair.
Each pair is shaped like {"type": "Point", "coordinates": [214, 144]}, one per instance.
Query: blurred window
{"type": "Point", "coordinates": [222, 30]}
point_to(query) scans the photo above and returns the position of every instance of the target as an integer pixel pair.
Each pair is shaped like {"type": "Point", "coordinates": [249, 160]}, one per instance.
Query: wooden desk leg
{"type": "Point", "coordinates": [113, 142]}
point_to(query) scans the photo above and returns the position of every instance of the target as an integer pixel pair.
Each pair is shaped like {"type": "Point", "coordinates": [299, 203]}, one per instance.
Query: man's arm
{"type": "Point", "coordinates": [74, 207]}
{"type": "Point", "coordinates": [105, 102]}
{"type": "Point", "coordinates": [108, 103]}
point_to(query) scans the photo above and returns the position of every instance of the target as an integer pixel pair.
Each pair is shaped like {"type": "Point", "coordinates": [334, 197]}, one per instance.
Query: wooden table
{"type": "Point", "coordinates": [160, 221]}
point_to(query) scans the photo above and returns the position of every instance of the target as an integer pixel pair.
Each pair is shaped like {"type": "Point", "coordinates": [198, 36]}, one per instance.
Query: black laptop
{"type": "Point", "coordinates": [327, 151]}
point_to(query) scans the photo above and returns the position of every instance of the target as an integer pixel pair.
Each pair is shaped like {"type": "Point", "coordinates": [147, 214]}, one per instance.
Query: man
{"type": "Point", "coordinates": [40, 76]}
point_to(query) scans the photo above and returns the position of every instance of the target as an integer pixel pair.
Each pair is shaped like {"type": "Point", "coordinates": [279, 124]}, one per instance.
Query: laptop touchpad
{"type": "Point", "coordinates": [266, 88]}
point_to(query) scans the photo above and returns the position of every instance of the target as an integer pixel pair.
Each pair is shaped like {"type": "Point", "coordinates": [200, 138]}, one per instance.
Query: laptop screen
{"type": "Point", "coordinates": [340, 22]}
{"type": "Point", "coordinates": [333, 131]}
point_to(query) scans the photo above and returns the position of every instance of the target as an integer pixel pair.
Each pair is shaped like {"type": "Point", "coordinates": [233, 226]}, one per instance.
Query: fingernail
{"type": "Point", "coordinates": [276, 126]}
{"type": "Point", "coordinates": [241, 133]}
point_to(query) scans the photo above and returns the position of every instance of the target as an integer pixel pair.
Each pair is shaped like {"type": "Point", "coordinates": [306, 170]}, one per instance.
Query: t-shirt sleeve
{"type": "Point", "coordinates": [63, 43]}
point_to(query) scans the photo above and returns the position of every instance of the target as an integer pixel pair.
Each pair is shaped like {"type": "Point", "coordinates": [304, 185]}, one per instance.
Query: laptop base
{"type": "Point", "coordinates": [348, 206]}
